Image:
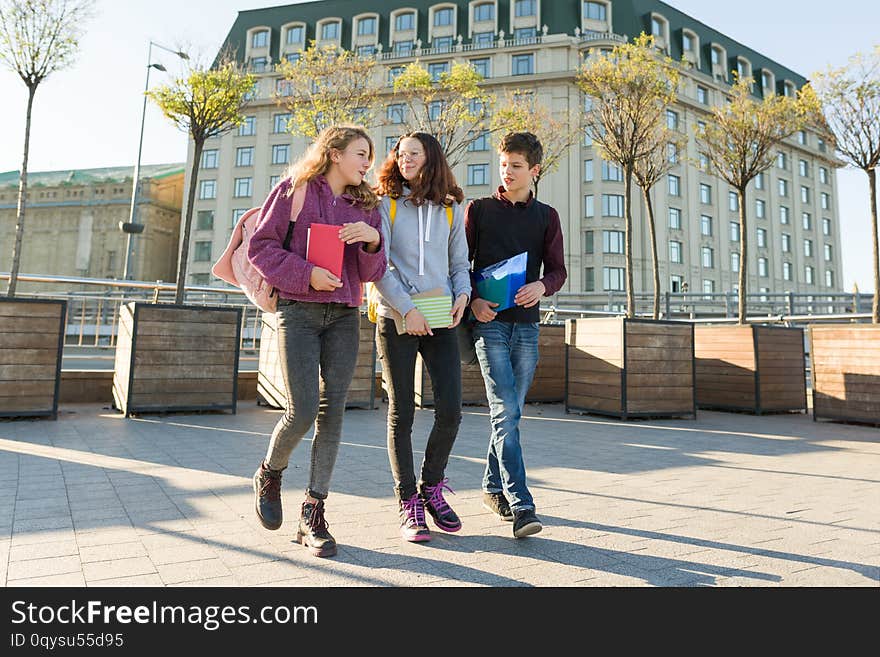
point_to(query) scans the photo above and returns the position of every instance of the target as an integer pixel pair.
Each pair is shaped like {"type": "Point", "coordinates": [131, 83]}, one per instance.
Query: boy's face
{"type": "Point", "coordinates": [516, 175]}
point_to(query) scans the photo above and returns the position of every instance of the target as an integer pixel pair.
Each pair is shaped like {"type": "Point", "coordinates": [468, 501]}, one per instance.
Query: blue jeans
{"type": "Point", "coordinates": [508, 355]}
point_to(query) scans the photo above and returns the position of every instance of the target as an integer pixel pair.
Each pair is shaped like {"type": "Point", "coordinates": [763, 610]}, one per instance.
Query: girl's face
{"type": "Point", "coordinates": [354, 162]}
{"type": "Point", "coordinates": [410, 158]}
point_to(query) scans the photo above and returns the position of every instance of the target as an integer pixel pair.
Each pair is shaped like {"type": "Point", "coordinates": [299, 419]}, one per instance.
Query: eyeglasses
{"type": "Point", "coordinates": [402, 155]}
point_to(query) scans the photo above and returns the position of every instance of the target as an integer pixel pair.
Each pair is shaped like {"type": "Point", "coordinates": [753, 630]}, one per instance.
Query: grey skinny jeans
{"type": "Point", "coordinates": [318, 348]}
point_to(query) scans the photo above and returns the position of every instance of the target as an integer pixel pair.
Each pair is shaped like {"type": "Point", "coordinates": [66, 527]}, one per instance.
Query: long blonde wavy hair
{"type": "Point", "coordinates": [317, 160]}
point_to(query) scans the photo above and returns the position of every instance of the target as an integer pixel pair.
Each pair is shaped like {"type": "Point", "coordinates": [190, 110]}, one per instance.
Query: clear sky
{"type": "Point", "coordinates": [89, 115]}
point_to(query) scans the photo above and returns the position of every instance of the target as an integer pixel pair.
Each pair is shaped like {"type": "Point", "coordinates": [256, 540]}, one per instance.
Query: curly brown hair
{"type": "Point", "coordinates": [435, 182]}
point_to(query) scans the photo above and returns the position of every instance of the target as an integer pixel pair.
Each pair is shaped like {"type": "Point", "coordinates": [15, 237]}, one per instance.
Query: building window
{"type": "Point", "coordinates": [657, 27]}
{"type": "Point", "coordinates": [588, 170]}
{"type": "Point", "coordinates": [804, 168]}
{"type": "Point", "coordinates": [760, 209]}
{"type": "Point", "coordinates": [393, 72]}
{"type": "Point", "coordinates": [595, 11]}
{"type": "Point", "coordinates": [330, 31]}
{"type": "Point", "coordinates": [672, 153]}
{"type": "Point", "coordinates": [484, 12]}
{"type": "Point", "coordinates": [687, 42]}
{"type": "Point", "coordinates": [395, 113]}
{"type": "Point", "coordinates": [611, 172]}
{"type": "Point", "coordinates": [436, 69]}
{"type": "Point", "coordinates": [207, 189]}
{"type": "Point", "coordinates": [675, 252]}
{"type": "Point", "coordinates": [365, 51]}
{"type": "Point", "coordinates": [435, 110]}
{"type": "Point", "coordinates": [525, 8]}
{"type": "Point", "coordinates": [525, 34]}
{"type": "Point", "coordinates": [405, 22]}
{"type": "Point", "coordinates": [705, 194]}
{"type": "Point", "coordinates": [295, 34]}
{"type": "Point", "coordinates": [823, 175]}
{"type": "Point", "coordinates": [482, 66]}
{"type": "Point", "coordinates": [613, 279]}
{"type": "Point", "coordinates": [704, 162]}
{"type": "Point", "coordinates": [762, 238]}
{"type": "Point", "coordinates": [588, 242]}
{"type": "Point", "coordinates": [259, 64]}
{"type": "Point", "coordinates": [805, 194]}
{"type": "Point", "coordinates": [782, 160]}
{"type": "Point", "coordinates": [480, 142]}
{"type": "Point", "coordinates": [483, 39]}
{"type": "Point", "coordinates": [671, 119]}
{"type": "Point", "coordinates": [248, 128]}
{"type": "Point", "coordinates": [734, 231]}
{"type": "Point", "coordinates": [523, 64]}
{"type": "Point", "coordinates": [202, 252]}
{"type": "Point", "coordinates": [784, 215]}
{"type": "Point", "coordinates": [786, 243]}
{"type": "Point", "coordinates": [210, 158]}
{"type": "Point", "coordinates": [807, 219]}
{"type": "Point", "coordinates": [279, 123]}
{"type": "Point", "coordinates": [391, 142]}
{"type": "Point", "coordinates": [706, 225]}
{"type": "Point", "coordinates": [826, 201]}
{"type": "Point", "coordinates": [403, 48]}
{"type": "Point", "coordinates": [674, 185]}
{"type": "Point", "coordinates": [808, 275]}
{"type": "Point", "coordinates": [443, 17]}
{"type": "Point", "coordinates": [829, 278]}
{"type": "Point", "coordinates": [478, 174]}
{"type": "Point", "coordinates": [743, 67]}
{"type": "Point", "coordinates": [589, 206]}
{"type": "Point", "coordinates": [732, 201]}
{"type": "Point", "coordinates": [708, 286]}
{"type": "Point", "coordinates": [762, 268]}
{"type": "Point", "coordinates": [783, 187]}
{"type": "Point", "coordinates": [202, 280]}
{"type": "Point", "coordinates": [826, 227]}
{"type": "Point", "coordinates": [442, 44]}
{"type": "Point", "coordinates": [702, 95]}
{"type": "Point", "coordinates": [759, 181]}
{"type": "Point", "coordinates": [786, 271]}
{"type": "Point", "coordinates": [589, 279]}
{"type": "Point", "coordinates": [802, 137]}
{"type": "Point", "coordinates": [808, 248]}
{"type": "Point", "coordinates": [708, 257]}
{"type": "Point", "coordinates": [676, 283]}
{"type": "Point", "coordinates": [675, 218]}
{"type": "Point", "coordinates": [273, 181]}
{"type": "Point", "coordinates": [367, 26]}
{"type": "Point", "coordinates": [613, 241]}
{"type": "Point", "coordinates": [243, 187]}
{"type": "Point", "coordinates": [205, 220]}
{"type": "Point", "coordinates": [734, 262]}
{"type": "Point", "coordinates": [260, 39]}
{"type": "Point", "coordinates": [244, 157]}
{"type": "Point", "coordinates": [612, 205]}
{"type": "Point", "coordinates": [280, 154]}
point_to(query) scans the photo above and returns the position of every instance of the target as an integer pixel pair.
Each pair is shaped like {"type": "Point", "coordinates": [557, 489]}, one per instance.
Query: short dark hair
{"type": "Point", "coordinates": [524, 143]}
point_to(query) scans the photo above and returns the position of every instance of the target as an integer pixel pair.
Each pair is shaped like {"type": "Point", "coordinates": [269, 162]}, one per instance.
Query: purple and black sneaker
{"type": "Point", "coordinates": [413, 526]}
{"type": "Point", "coordinates": [444, 517]}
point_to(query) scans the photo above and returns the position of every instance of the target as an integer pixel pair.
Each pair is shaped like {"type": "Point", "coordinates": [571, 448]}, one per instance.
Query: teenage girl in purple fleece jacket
{"type": "Point", "coordinates": [318, 315]}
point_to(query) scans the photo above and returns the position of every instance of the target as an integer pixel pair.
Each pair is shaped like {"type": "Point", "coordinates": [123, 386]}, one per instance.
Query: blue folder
{"type": "Point", "coordinates": [500, 282]}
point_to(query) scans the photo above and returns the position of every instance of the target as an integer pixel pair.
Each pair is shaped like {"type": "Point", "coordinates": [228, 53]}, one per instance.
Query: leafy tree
{"type": "Point", "coordinates": [629, 90]}
{"type": "Point", "coordinates": [850, 100]}
{"type": "Point", "coordinates": [328, 86]}
{"type": "Point", "coordinates": [37, 38]}
{"type": "Point", "coordinates": [454, 109]}
{"type": "Point", "coordinates": [740, 139]}
{"type": "Point", "coordinates": [207, 102]}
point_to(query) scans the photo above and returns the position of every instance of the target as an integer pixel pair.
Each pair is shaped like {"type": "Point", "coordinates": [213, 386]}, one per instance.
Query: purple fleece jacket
{"type": "Point", "coordinates": [288, 271]}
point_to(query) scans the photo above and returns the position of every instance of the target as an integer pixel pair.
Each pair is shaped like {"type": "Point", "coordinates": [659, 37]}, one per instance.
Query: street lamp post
{"type": "Point", "coordinates": [131, 227]}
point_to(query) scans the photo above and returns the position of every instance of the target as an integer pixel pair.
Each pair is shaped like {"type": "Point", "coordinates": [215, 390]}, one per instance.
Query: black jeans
{"type": "Point", "coordinates": [318, 348]}
{"type": "Point", "coordinates": [398, 356]}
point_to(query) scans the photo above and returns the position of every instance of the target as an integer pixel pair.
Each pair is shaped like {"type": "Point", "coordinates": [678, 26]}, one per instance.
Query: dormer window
{"type": "Point", "coordinates": [405, 22]}
{"type": "Point", "coordinates": [260, 39]}
{"type": "Point", "coordinates": [484, 12]}
{"type": "Point", "coordinates": [660, 31]}
{"type": "Point", "coordinates": [367, 26]}
{"type": "Point", "coordinates": [690, 45]}
{"type": "Point", "coordinates": [443, 17]}
{"type": "Point", "coordinates": [768, 82]}
{"type": "Point", "coordinates": [330, 30]}
{"type": "Point", "coordinates": [788, 89]}
{"type": "Point", "coordinates": [743, 68]}
{"type": "Point", "coordinates": [525, 8]}
{"type": "Point", "coordinates": [295, 35]}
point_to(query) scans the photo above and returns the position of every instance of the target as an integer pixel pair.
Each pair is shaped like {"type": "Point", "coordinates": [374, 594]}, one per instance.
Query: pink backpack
{"type": "Point", "coordinates": [234, 266]}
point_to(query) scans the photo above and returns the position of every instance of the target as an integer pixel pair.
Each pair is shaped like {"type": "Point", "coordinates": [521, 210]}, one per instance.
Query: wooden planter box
{"type": "Point", "coordinates": [845, 361]}
{"type": "Point", "coordinates": [759, 369]}
{"type": "Point", "coordinates": [473, 389]}
{"type": "Point", "coordinates": [270, 383]}
{"type": "Point", "coordinates": [176, 358]}
{"type": "Point", "coordinates": [630, 368]}
{"type": "Point", "coordinates": [31, 341]}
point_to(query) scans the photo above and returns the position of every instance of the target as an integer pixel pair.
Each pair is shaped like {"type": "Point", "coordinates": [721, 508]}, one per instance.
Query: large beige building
{"type": "Point", "coordinates": [537, 46]}
{"type": "Point", "coordinates": [72, 223]}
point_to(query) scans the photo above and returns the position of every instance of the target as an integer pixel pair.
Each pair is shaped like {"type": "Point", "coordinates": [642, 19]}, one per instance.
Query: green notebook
{"type": "Point", "coordinates": [435, 305]}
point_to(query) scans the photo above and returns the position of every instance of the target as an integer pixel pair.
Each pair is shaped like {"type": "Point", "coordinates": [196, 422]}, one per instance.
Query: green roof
{"type": "Point", "coordinates": [629, 17]}
{"type": "Point", "coordinates": [108, 175]}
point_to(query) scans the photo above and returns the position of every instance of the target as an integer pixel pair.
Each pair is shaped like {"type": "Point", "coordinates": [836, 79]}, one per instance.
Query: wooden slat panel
{"type": "Point", "coordinates": [657, 367]}
{"type": "Point", "coordinates": [183, 358]}
{"type": "Point", "coordinates": [29, 325]}
{"type": "Point", "coordinates": [30, 340]}
{"type": "Point", "coordinates": [153, 314]}
{"type": "Point", "coordinates": [595, 378]}
{"type": "Point", "coordinates": [201, 329]}
{"type": "Point", "coordinates": [185, 343]}
{"type": "Point", "coordinates": [168, 372]}
{"type": "Point", "coordinates": [646, 393]}
{"type": "Point", "coordinates": [16, 309]}
{"type": "Point", "coordinates": [147, 387]}
{"type": "Point", "coordinates": [27, 388]}
{"type": "Point", "coordinates": [577, 401]}
{"type": "Point", "coordinates": [660, 406]}
{"type": "Point", "coordinates": [656, 354]}
{"type": "Point", "coordinates": [27, 403]}
{"type": "Point", "coordinates": [29, 356]}
{"type": "Point", "coordinates": [659, 341]}
{"type": "Point", "coordinates": [27, 372]}
{"type": "Point", "coordinates": [593, 391]}
{"type": "Point", "coordinates": [180, 400]}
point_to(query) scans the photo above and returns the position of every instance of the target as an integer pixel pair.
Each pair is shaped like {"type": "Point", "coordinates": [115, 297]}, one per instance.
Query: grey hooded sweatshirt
{"type": "Point", "coordinates": [423, 254]}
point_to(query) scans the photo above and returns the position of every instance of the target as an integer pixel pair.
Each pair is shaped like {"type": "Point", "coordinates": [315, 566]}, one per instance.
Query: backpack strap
{"type": "Point", "coordinates": [393, 212]}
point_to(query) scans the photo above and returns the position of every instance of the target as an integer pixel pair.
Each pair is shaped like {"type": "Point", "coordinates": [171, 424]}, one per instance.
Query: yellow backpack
{"type": "Point", "coordinates": [372, 292]}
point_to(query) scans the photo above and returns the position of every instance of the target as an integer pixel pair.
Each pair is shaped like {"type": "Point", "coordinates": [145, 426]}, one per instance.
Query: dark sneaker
{"type": "Point", "coordinates": [444, 517]}
{"type": "Point", "coordinates": [526, 523]}
{"type": "Point", "coordinates": [497, 504]}
{"type": "Point", "coordinates": [413, 527]}
{"type": "Point", "coordinates": [312, 531]}
{"type": "Point", "coordinates": [267, 496]}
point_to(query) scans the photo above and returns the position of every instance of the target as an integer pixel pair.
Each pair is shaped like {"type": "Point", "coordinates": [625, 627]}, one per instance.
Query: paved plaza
{"type": "Point", "coordinates": [724, 500]}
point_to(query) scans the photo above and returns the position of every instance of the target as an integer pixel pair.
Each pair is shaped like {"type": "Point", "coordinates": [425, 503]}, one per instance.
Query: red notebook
{"type": "Point", "coordinates": [324, 248]}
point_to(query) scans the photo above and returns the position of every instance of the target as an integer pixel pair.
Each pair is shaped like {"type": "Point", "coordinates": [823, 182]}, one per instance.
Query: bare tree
{"type": "Point", "coordinates": [629, 90]}
{"type": "Point", "coordinates": [37, 38]}
{"type": "Point", "coordinates": [850, 99]}
{"type": "Point", "coordinates": [740, 139]}
{"type": "Point", "coordinates": [207, 102]}
{"type": "Point", "coordinates": [518, 112]}
{"type": "Point", "coordinates": [328, 86]}
{"type": "Point", "coordinates": [662, 157]}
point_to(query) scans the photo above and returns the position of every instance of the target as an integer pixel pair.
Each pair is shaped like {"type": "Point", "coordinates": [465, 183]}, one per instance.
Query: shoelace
{"type": "Point", "coordinates": [415, 511]}
{"type": "Point", "coordinates": [436, 498]}
{"type": "Point", "coordinates": [271, 488]}
{"type": "Point", "coordinates": [317, 523]}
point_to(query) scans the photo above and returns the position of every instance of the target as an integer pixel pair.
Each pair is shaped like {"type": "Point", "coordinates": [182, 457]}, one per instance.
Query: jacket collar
{"type": "Point", "coordinates": [507, 203]}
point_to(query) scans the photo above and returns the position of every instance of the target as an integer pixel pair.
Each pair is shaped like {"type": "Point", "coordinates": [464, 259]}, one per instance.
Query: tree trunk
{"type": "Point", "coordinates": [627, 212]}
{"type": "Point", "coordinates": [655, 267]}
{"type": "Point", "coordinates": [743, 255]}
{"type": "Point", "coordinates": [537, 182]}
{"type": "Point", "coordinates": [187, 223]}
{"type": "Point", "coordinates": [22, 197]}
{"type": "Point", "coordinates": [872, 180]}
